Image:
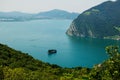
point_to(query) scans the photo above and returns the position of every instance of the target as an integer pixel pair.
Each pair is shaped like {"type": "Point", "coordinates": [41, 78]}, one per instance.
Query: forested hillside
{"type": "Point", "coordinates": [15, 65]}
{"type": "Point", "coordinates": [102, 21]}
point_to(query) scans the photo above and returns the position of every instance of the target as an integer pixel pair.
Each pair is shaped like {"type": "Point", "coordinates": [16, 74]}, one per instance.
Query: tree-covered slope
{"type": "Point", "coordinates": [102, 21]}
{"type": "Point", "coordinates": [109, 69]}
{"type": "Point", "coordinates": [15, 65]}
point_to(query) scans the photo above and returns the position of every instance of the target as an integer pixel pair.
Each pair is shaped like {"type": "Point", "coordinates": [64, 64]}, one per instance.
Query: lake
{"type": "Point", "coordinates": [38, 36]}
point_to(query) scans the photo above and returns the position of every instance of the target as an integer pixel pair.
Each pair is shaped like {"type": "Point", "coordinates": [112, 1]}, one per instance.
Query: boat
{"type": "Point", "coordinates": [52, 51]}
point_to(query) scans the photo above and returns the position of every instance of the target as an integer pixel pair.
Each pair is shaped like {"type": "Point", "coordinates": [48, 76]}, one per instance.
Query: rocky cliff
{"type": "Point", "coordinates": [102, 21]}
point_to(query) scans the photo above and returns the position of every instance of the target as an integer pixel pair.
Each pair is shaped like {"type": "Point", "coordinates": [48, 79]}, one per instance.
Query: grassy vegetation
{"type": "Point", "coordinates": [116, 37]}
{"type": "Point", "coordinates": [117, 28]}
{"type": "Point", "coordinates": [15, 65]}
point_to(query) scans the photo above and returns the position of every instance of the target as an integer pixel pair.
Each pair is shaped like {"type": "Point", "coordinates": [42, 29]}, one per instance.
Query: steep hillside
{"type": "Point", "coordinates": [15, 65]}
{"type": "Point", "coordinates": [102, 21]}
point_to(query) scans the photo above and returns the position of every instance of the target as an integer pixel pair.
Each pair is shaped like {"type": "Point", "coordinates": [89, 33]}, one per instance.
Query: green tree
{"type": "Point", "coordinates": [1, 73]}
{"type": "Point", "coordinates": [109, 69]}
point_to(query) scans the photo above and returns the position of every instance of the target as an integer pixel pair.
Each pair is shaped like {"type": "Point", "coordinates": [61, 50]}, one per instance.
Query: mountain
{"type": "Point", "coordinates": [14, 16]}
{"type": "Point", "coordinates": [53, 14]}
{"type": "Point", "coordinates": [102, 21]}
{"type": "Point", "coordinates": [57, 14]}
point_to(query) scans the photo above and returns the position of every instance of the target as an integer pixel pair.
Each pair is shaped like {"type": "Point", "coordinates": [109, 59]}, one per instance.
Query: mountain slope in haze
{"type": "Point", "coordinates": [57, 14]}
{"type": "Point", "coordinates": [14, 16]}
{"type": "Point", "coordinates": [102, 21]}
{"type": "Point", "coordinates": [53, 14]}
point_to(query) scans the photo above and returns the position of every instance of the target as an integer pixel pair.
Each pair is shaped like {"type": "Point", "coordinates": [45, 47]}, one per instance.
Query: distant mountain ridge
{"type": "Point", "coordinates": [58, 14]}
{"type": "Point", "coordinates": [102, 21]}
{"type": "Point", "coordinates": [52, 14]}
{"type": "Point", "coordinates": [13, 14]}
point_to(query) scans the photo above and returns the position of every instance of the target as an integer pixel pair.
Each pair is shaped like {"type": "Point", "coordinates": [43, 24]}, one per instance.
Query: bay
{"type": "Point", "coordinates": [38, 36]}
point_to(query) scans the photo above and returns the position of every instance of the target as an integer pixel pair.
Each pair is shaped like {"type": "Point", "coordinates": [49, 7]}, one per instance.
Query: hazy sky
{"type": "Point", "coordinates": [34, 6]}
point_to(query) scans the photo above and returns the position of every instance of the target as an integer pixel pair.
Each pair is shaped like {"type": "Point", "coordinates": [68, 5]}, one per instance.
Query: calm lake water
{"type": "Point", "coordinates": [37, 37]}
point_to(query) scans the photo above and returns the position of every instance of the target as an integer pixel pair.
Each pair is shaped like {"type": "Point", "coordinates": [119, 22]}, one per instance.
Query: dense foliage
{"type": "Point", "coordinates": [15, 65]}
{"type": "Point", "coordinates": [98, 22]}
{"type": "Point", "coordinates": [110, 69]}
